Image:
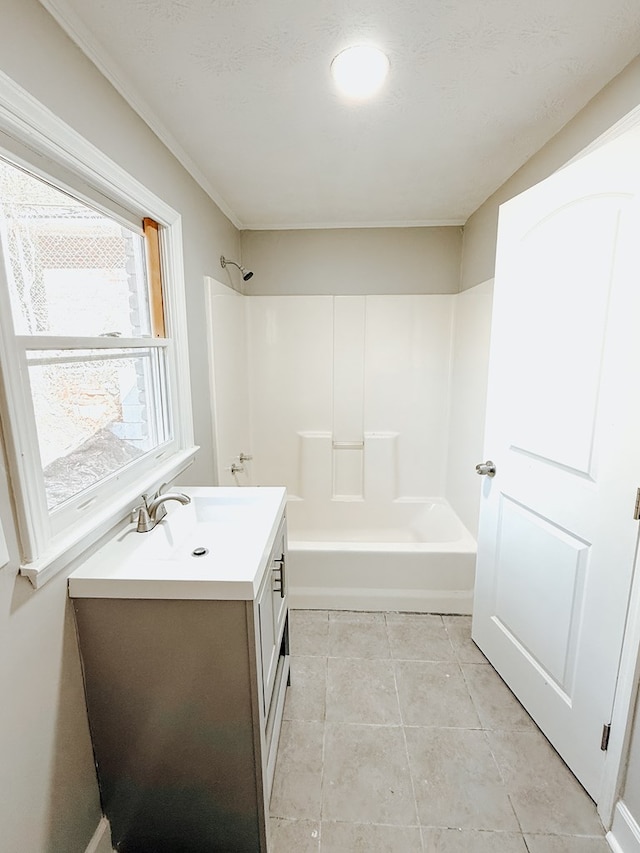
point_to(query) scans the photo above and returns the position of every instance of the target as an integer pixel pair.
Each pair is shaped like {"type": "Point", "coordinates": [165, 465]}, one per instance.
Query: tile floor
{"type": "Point", "coordinates": [399, 737]}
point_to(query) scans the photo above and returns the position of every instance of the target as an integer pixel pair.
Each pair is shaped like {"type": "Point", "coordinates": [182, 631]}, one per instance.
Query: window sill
{"type": "Point", "coordinates": [71, 545]}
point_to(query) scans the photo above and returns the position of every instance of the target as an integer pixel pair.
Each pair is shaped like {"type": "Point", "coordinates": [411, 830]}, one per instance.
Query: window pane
{"type": "Point", "coordinates": [96, 411]}
{"type": "Point", "coordinates": [71, 270]}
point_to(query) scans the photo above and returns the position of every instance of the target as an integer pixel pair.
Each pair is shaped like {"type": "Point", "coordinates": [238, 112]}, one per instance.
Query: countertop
{"type": "Point", "coordinates": [237, 526]}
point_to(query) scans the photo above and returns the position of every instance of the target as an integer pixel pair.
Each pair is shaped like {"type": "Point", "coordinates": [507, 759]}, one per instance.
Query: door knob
{"type": "Point", "coordinates": [486, 468]}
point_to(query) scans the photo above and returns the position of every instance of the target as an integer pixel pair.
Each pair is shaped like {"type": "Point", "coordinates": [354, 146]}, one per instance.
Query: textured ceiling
{"type": "Point", "coordinates": [241, 91]}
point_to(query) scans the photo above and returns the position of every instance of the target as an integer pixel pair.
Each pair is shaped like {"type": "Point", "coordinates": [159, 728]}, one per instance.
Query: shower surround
{"type": "Point", "coordinates": [347, 403]}
{"type": "Point", "coordinates": [349, 395]}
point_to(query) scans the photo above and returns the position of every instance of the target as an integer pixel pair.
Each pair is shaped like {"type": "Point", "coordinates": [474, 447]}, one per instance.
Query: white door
{"type": "Point", "coordinates": [557, 534]}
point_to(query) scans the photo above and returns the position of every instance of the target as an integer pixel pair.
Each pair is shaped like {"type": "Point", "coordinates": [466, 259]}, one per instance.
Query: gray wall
{"type": "Point", "coordinates": [49, 798]}
{"type": "Point", "coordinates": [618, 98]}
{"type": "Point", "coordinates": [353, 261]}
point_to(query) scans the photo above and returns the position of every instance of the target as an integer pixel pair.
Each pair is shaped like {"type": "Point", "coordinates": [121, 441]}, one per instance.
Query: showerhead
{"type": "Point", "coordinates": [246, 274]}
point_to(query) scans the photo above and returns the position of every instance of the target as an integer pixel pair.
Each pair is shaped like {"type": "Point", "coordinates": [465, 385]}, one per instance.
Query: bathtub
{"type": "Point", "coordinates": [407, 555]}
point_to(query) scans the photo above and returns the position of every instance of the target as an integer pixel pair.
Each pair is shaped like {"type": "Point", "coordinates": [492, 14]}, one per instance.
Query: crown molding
{"type": "Point", "coordinates": [328, 226]}
{"type": "Point", "coordinates": [95, 52]}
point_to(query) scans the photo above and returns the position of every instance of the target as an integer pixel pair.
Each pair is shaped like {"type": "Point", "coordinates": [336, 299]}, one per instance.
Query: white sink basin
{"type": "Point", "coordinates": [235, 526]}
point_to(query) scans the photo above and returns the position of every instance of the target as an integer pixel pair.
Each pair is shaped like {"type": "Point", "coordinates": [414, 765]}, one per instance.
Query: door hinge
{"type": "Point", "coordinates": [636, 511]}
{"type": "Point", "coordinates": [606, 732]}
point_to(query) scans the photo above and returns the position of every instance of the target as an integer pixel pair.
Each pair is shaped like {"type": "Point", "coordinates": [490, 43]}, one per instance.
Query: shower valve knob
{"type": "Point", "coordinates": [234, 468]}
{"type": "Point", "coordinates": [486, 468]}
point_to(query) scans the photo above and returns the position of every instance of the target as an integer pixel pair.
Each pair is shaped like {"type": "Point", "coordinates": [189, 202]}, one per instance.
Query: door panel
{"type": "Point", "coordinates": [540, 569]}
{"type": "Point", "coordinates": [557, 537]}
{"type": "Point", "coordinates": [559, 315]}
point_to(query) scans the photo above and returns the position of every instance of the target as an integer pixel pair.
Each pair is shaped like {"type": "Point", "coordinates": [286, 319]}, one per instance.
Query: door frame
{"type": "Point", "coordinates": [624, 698]}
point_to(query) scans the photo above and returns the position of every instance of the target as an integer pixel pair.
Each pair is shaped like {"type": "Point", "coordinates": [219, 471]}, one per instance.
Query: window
{"type": "Point", "coordinates": [95, 378]}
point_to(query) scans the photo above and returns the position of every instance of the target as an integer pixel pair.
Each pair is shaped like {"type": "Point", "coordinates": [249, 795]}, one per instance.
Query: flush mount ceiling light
{"type": "Point", "coordinates": [359, 71]}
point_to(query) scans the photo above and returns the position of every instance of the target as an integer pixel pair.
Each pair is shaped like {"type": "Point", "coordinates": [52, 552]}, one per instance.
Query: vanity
{"type": "Point", "coordinates": [183, 635]}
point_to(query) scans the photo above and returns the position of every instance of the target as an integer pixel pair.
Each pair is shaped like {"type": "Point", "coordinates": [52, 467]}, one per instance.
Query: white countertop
{"type": "Point", "coordinates": [238, 526]}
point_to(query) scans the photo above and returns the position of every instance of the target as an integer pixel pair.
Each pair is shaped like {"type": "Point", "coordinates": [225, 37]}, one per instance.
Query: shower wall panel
{"type": "Point", "coordinates": [290, 382]}
{"type": "Point", "coordinates": [469, 376]}
{"type": "Point", "coordinates": [228, 371]}
{"type": "Point", "coordinates": [406, 385]}
{"type": "Point", "coordinates": [350, 395]}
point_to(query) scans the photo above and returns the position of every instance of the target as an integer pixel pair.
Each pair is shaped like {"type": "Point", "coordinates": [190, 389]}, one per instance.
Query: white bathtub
{"type": "Point", "coordinates": [408, 555]}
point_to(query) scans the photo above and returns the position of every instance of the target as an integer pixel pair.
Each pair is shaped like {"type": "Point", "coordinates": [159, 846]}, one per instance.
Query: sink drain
{"type": "Point", "coordinates": [199, 552]}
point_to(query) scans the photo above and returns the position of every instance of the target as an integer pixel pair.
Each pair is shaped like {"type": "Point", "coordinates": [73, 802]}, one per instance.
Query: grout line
{"type": "Point", "coordinates": [525, 842]}
{"type": "Point", "coordinates": [504, 782]}
{"type": "Point", "coordinates": [404, 736]}
{"type": "Point", "coordinates": [476, 705]}
{"type": "Point", "coordinates": [387, 620]}
{"type": "Point", "coordinates": [324, 740]}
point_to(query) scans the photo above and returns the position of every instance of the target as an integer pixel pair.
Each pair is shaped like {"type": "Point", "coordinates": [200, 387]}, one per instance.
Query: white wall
{"type": "Point", "coordinates": [49, 800]}
{"type": "Point", "coordinates": [469, 374]}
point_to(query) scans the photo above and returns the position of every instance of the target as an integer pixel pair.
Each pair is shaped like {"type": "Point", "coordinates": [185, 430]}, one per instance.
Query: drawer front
{"type": "Point", "coordinates": [268, 640]}
{"type": "Point", "coordinates": [280, 578]}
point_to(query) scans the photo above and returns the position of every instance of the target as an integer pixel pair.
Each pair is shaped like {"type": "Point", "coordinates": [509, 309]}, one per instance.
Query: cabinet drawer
{"type": "Point", "coordinates": [280, 578]}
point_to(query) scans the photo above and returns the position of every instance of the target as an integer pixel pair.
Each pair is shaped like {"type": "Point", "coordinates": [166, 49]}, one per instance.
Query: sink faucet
{"type": "Point", "coordinates": [154, 510]}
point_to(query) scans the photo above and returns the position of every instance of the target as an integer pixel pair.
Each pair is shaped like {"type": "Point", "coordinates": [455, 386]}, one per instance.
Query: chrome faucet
{"type": "Point", "coordinates": [152, 511]}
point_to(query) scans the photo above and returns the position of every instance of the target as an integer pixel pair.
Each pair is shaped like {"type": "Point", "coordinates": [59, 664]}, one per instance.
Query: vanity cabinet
{"type": "Point", "coordinates": [185, 697]}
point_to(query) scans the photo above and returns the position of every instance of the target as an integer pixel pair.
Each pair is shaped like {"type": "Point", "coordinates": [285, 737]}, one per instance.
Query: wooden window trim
{"type": "Point", "coordinates": [154, 275]}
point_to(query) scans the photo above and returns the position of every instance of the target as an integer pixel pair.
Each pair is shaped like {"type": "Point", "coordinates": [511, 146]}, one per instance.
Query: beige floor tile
{"type": "Point", "coordinates": [471, 841]}
{"type": "Point", "coordinates": [544, 793]}
{"type": "Point", "coordinates": [434, 694]}
{"type": "Point", "coordinates": [566, 844]}
{"type": "Point", "coordinates": [369, 838]}
{"type": "Point", "coordinates": [356, 616]}
{"type": "Point", "coordinates": [306, 694]}
{"type": "Point", "coordinates": [459, 631]}
{"type": "Point", "coordinates": [418, 637]}
{"type": "Point", "coordinates": [366, 776]}
{"type": "Point", "coordinates": [456, 780]}
{"type": "Point", "coordinates": [358, 639]}
{"type": "Point", "coordinates": [467, 781]}
{"type": "Point", "coordinates": [309, 632]}
{"type": "Point", "coordinates": [297, 781]}
{"type": "Point", "coordinates": [496, 705]}
{"type": "Point", "coordinates": [362, 691]}
{"type": "Point", "coordinates": [294, 836]}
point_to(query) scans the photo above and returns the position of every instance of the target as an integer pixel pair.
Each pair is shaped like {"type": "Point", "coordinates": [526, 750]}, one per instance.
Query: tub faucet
{"type": "Point", "coordinates": [154, 510]}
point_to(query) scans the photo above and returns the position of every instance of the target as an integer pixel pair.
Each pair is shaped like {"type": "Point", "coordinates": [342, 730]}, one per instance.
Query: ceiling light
{"type": "Point", "coordinates": [360, 71]}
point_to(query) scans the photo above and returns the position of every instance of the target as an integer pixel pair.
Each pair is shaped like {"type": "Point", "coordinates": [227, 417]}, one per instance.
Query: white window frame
{"type": "Point", "coordinates": [31, 136]}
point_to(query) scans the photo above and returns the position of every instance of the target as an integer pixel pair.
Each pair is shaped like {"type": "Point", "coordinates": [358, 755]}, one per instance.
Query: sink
{"type": "Point", "coordinates": [233, 524]}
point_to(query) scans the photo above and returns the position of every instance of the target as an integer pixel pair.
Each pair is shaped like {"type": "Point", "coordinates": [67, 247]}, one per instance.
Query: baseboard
{"type": "Point", "coordinates": [101, 840]}
{"type": "Point", "coordinates": [624, 836]}
{"type": "Point", "coordinates": [413, 601]}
